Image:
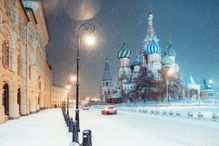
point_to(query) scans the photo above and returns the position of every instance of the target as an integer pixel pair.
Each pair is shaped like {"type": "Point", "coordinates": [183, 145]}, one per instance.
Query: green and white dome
{"type": "Point", "coordinates": [124, 52]}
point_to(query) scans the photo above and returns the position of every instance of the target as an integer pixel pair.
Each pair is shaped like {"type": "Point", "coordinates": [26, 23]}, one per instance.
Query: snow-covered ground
{"type": "Point", "coordinates": [134, 128]}
{"type": "Point", "coordinates": [127, 128]}
{"type": "Point", "coordinates": [45, 128]}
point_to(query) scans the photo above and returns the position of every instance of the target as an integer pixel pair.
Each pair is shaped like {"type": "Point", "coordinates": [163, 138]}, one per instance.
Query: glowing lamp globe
{"type": "Point", "coordinates": [73, 78]}
{"type": "Point", "coordinates": [90, 40]}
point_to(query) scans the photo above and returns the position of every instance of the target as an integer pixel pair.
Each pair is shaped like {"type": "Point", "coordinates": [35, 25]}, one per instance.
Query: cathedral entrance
{"type": "Point", "coordinates": [19, 99]}
{"type": "Point", "coordinates": [5, 98]}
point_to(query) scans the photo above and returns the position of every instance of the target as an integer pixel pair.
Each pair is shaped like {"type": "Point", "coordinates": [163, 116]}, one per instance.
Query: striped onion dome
{"type": "Point", "coordinates": [170, 51]}
{"type": "Point", "coordinates": [124, 52]}
{"type": "Point", "coordinates": [136, 62]}
{"type": "Point", "coordinates": [152, 48]}
{"type": "Point", "coordinates": [167, 60]}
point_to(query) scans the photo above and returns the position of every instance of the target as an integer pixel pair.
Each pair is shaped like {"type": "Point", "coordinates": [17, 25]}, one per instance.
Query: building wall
{"type": "Point", "coordinates": [27, 74]}
{"type": "Point", "coordinates": [58, 93]}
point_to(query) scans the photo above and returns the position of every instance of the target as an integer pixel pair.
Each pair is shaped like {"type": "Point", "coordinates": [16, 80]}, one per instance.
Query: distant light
{"type": "Point", "coordinates": [90, 40]}
{"type": "Point", "coordinates": [73, 78]}
{"type": "Point", "coordinates": [87, 98]}
{"type": "Point", "coordinates": [170, 72]}
{"type": "Point", "coordinates": [210, 81]}
{"type": "Point", "coordinates": [68, 86]}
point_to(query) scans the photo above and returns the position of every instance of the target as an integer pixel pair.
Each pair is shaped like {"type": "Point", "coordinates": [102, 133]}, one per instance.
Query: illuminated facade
{"type": "Point", "coordinates": [58, 93]}
{"type": "Point", "coordinates": [146, 77]}
{"type": "Point", "coordinates": [25, 76]}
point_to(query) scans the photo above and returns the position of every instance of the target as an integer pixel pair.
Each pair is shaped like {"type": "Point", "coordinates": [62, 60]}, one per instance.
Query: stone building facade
{"type": "Point", "coordinates": [25, 76]}
{"type": "Point", "coordinates": [58, 93]}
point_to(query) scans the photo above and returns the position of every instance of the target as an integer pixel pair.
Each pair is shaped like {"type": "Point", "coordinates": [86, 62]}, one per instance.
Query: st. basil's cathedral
{"type": "Point", "coordinates": [150, 76]}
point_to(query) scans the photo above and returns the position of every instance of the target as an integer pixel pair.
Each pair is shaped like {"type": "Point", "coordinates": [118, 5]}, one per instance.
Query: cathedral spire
{"type": "Point", "coordinates": [191, 80]}
{"type": "Point", "coordinates": [150, 30]}
{"type": "Point", "coordinates": [150, 35]}
{"type": "Point", "coordinates": [107, 74]}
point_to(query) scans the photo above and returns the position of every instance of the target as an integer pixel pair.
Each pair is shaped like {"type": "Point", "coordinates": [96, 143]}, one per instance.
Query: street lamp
{"type": "Point", "coordinates": [63, 103]}
{"type": "Point", "coordinates": [168, 74]}
{"type": "Point", "coordinates": [66, 92]}
{"type": "Point", "coordinates": [89, 28]}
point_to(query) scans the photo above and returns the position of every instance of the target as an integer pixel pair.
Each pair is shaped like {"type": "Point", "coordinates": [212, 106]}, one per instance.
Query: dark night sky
{"type": "Point", "coordinates": [192, 25]}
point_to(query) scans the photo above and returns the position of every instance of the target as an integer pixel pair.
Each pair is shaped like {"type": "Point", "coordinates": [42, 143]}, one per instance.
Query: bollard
{"type": "Point", "coordinates": [214, 116]}
{"type": "Point", "coordinates": [70, 128]}
{"type": "Point", "coordinates": [75, 131]}
{"type": "Point", "coordinates": [190, 114]}
{"type": "Point", "coordinates": [171, 113]}
{"type": "Point", "coordinates": [178, 113]}
{"type": "Point", "coordinates": [67, 120]}
{"type": "Point", "coordinates": [200, 115]}
{"type": "Point", "coordinates": [164, 113]}
{"type": "Point", "coordinates": [157, 112]}
{"type": "Point", "coordinates": [64, 117]}
{"type": "Point", "coordinates": [87, 138]}
{"type": "Point", "coordinates": [85, 141]}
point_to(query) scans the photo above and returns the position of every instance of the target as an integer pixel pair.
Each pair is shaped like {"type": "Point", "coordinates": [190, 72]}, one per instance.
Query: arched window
{"type": "Point", "coordinates": [5, 54]}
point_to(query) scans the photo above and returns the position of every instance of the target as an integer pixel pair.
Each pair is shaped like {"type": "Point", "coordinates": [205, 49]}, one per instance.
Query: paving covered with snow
{"type": "Point", "coordinates": [45, 128]}
{"type": "Point", "coordinates": [133, 128]}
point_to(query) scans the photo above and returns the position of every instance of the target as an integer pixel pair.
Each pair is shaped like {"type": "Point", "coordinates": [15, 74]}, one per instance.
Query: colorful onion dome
{"type": "Point", "coordinates": [152, 48]}
{"type": "Point", "coordinates": [136, 62]}
{"type": "Point", "coordinates": [170, 51]}
{"type": "Point", "coordinates": [124, 52]}
{"type": "Point", "coordinates": [167, 60]}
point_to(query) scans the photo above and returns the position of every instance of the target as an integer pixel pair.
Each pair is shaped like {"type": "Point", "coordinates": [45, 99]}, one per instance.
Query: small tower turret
{"type": "Point", "coordinates": [107, 86]}
{"type": "Point", "coordinates": [124, 56]}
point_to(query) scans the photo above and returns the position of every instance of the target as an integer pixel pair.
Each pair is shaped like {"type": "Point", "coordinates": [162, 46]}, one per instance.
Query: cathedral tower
{"type": "Point", "coordinates": [151, 50]}
{"type": "Point", "coordinates": [124, 56]}
{"type": "Point", "coordinates": [107, 86]}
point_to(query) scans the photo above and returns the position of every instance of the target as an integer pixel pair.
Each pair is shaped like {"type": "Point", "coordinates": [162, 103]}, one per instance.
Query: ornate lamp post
{"type": "Point", "coordinates": [89, 28]}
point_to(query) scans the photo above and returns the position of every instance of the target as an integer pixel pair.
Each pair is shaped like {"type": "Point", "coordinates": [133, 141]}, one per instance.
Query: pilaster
{"type": "Point", "coordinates": [42, 100]}
{"type": "Point", "coordinates": [14, 62]}
{"type": "Point", "coordinates": [33, 105]}
{"type": "Point", "coordinates": [23, 103]}
{"type": "Point", "coordinates": [13, 106]}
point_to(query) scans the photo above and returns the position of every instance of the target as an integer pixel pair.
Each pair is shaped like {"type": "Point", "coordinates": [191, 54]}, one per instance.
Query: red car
{"type": "Point", "coordinates": [85, 108]}
{"type": "Point", "coordinates": [109, 110]}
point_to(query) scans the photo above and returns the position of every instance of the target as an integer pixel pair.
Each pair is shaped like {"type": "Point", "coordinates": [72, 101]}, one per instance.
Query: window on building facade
{"type": "Point", "coordinates": [30, 72]}
{"type": "Point", "coordinates": [5, 54]}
